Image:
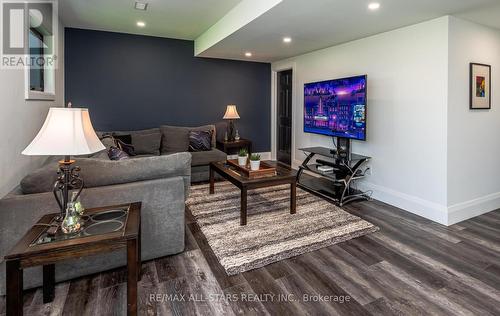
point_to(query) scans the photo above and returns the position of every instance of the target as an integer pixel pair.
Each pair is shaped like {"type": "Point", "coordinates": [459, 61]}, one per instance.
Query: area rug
{"type": "Point", "coordinates": [272, 233]}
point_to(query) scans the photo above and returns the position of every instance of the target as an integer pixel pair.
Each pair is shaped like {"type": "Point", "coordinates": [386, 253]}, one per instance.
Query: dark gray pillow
{"type": "Point", "coordinates": [174, 139]}
{"type": "Point", "coordinates": [146, 144]}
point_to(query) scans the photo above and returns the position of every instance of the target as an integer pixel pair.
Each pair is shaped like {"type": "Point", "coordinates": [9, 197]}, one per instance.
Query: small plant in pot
{"type": "Point", "coordinates": [242, 157]}
{"type": "Point", "coordinates": [255, 162]}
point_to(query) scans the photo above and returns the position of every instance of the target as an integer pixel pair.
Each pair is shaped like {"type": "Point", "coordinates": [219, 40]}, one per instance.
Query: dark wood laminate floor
{"type": "Point", "coordinates": [412, 266]}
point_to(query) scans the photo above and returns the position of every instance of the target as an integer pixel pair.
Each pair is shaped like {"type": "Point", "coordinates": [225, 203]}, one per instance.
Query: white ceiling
{"type": "Point", "coordinates": [487, 15]}
{"type": "Point", "coordinates": [316, 24]}
{"type": "Point", "coordinates": [182, 19]}
{"type": "Point", "coordinates": [312, 24]}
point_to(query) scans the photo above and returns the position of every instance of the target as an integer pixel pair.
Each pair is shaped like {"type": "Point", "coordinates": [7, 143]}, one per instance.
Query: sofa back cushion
{"type": "Point", "coordinates": [147, 144]}
{"type": "Point", "coordinates": [144, 142]}
{"type": "Point", "coordinates": [176, 138]}
{"type": "Point", "coordinates": [221, 130]}
{"type": "Point", "coordinates": [100, 172]}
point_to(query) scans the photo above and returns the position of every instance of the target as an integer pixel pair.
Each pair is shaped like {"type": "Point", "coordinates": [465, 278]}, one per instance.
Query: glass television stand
{"type": "Point", "coordinates": [336, 183]}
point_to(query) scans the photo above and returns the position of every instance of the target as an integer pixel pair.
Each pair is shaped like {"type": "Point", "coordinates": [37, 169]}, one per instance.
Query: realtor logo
{"type": "Point", "coordinates": [29, 31]}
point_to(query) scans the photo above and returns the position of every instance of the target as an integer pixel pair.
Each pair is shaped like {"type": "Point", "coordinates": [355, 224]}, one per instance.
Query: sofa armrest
{"type": "Point", "coordinates": [101, 172]}
{"type": "Point", "coordinates": [162, 222]}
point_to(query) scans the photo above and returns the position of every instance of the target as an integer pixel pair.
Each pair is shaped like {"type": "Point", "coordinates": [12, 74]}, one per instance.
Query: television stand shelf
{"type": "Point", "coordinates": [336, 185]}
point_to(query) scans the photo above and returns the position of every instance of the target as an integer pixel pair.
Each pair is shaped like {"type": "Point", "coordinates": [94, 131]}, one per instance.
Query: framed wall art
{"type": "Point", "coordinates": [480, 86]}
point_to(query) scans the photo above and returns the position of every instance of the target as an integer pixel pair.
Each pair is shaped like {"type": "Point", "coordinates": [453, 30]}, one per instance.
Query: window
{"type": "Point", "coordinates": [40, 55]}
{"type": "Point", "coordinates": [36, 70]}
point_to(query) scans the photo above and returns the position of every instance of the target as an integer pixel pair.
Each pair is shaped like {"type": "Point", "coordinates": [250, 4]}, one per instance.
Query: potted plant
{"type": "Point", "coordinates": [242, 157]}
{"type": "Point", "coordinates": [254, 162]}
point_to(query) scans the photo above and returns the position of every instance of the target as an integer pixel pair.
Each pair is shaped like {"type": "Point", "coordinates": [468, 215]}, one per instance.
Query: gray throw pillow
{"type": "Point", "coordinates": [174, 139]}
{"type": "Point", "coordinates": [146, 144]}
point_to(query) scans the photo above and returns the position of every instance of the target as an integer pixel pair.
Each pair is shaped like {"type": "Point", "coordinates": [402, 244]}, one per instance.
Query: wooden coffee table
{"type": "Point", "coordinates": [37, 248]}
{"type": "Point", "coordinates": [284, 175]}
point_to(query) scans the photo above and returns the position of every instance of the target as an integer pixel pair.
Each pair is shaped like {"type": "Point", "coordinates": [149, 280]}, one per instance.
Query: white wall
{"type": "Point", "coordinates": [20, 120]}
{"type": "Point", "coordinates": [407, 111]}
{"type": "Point", "coordinates": [473, 136]}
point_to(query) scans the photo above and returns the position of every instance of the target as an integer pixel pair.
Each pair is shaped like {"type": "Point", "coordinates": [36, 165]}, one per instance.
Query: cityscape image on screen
{"type": "Point", "coordinates": [336, 107]}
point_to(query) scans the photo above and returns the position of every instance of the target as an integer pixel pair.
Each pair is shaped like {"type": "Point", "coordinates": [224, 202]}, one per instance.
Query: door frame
{"type": "Point", "coordinates": [274, 107]}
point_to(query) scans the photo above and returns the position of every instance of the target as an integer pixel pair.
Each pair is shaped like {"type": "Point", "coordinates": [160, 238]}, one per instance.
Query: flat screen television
{"type": "Point", "coordinates": [336, 108]}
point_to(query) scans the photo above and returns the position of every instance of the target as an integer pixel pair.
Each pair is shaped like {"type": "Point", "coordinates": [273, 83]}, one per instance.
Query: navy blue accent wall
{"type": "Point", "coordinates": [132, 82]}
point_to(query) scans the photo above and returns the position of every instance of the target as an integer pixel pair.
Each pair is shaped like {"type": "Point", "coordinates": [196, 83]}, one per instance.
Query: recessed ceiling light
{"type": "Point", "coordinates": [374, 6]}
{"type": "Point", "coordinates": [248, 54]}
{"type": "Point", "coordinates": [141, 24]}
{"type": "Point", "coordinates": [287, 39]}
{"type": "Point", "coordinates": [141, 6]}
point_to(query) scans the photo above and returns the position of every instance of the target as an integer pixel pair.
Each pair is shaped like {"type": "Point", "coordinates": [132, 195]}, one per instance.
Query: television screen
{"type": "Point", "coordinates": [336, 107]}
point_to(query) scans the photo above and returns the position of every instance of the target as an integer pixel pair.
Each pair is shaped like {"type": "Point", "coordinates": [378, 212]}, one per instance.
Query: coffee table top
{"type": "Point", "coordinates": [104, 224]}
{"type": "Point", "coordinates": [283, 172]}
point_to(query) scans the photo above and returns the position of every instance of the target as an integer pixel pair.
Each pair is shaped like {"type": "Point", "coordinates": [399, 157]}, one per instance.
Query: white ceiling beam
{"type": "Point", "coordinates": [242, 14]}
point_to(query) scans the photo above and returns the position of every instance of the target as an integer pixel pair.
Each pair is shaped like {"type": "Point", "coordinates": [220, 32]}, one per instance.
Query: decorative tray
{"type": "Point", "coordinates": [265, 170]}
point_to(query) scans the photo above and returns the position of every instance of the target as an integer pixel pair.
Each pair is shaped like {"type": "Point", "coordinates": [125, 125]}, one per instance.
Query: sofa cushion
{"type": "Point", "coordinates": [103, 154]}
{"type": "Point", "coordinates": [143, 156]}
{"type": "Point", "coordinates": [221, 130]}
{"type": "Point", "coordinates": [119, 133]}
{"type": "Point", "coordinates": [201, 158]}
{"type": "Point", "coordinates": [100, 172]}
{"type": "Point", "coordinates": [146, 144]}
{"type": "Point", "coordinates": [129, 135]}
{"type": "Point", "coordinates": [125, 138]}
{"type": "Point", "coordinates": [176, 138]}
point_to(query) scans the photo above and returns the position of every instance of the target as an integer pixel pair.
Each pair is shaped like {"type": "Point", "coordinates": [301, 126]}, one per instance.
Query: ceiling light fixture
{"type": "Point", "coordinates": [287, 39]}
{"type": "Point", "coordinates": [248, 54]}
{"type": "Point", "coordinates": [141, 6]}
{"type": "Point", "coordinates": [141, 24]}
{"type": "Point", "coordinates": [374, 6]}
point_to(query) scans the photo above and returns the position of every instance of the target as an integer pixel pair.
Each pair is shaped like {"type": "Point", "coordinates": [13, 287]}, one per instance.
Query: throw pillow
{"type": "Point", "coordinates": [126, 138]}
{"type": "Point", "coordinates": [200, 140]}
{"type": "Point", "coordinates": [122, 142]}
{"type": "Point", "coordinates": [115, 153]}
{"type": "Point", "coordinates": [108, 141]}
{"type": "Point", "coordinates": [147, 144]}
{"type": "Point", "coordinates": [126, 147]}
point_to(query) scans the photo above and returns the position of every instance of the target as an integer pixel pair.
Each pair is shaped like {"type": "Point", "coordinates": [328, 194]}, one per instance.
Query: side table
{"type": "Point", "coordinates": [105, 229]}
{"type": "Point", "coordinates": [232, 147]}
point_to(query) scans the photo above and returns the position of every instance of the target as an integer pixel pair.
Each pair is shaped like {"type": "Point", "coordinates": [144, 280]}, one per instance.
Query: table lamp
{"type": "Point", "coordinates": [66, 132]}
{"type": "Point", "coordinates": [231, 115]}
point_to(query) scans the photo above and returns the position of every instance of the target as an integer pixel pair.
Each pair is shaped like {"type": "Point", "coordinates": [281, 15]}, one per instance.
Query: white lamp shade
{"type": "Point", "coordinates": [66, 132]}
{"type": "Point", "coordinates": [231, 113]}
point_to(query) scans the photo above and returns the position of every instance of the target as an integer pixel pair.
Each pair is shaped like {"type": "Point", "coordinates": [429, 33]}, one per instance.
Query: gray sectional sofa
{"type": "Point", "coordinates": [161, 182]}
{"type": "Point", "coordinates": [173, 139]}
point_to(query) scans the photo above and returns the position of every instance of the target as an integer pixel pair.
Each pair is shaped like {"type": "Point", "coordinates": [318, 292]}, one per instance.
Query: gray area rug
{"type": "Point", "coordinates": [272, 233]}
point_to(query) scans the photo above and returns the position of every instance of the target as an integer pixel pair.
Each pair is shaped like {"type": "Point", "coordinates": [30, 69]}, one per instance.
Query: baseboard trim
{"type": "Point", "coordinates": [472, 208]}
{"type": "Point", "coordinates": [415, 205]}
{"type": "Point", "coordinates": [445, 215]}
{"type": "Point", "coordinates": [418, 206]}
